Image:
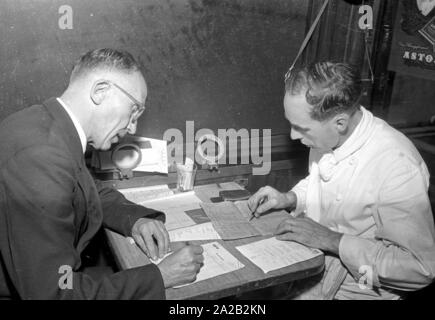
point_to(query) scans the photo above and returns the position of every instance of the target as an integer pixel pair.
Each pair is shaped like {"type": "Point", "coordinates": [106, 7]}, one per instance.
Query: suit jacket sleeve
{"type": "Point", "coordinates": [38, 185]}
{"type": "Point", "coordinates": [121, 214]}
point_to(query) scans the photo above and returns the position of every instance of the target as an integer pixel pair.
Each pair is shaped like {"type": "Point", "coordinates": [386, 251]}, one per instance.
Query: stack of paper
{"type": "Point", "coordinates": [272, 254]}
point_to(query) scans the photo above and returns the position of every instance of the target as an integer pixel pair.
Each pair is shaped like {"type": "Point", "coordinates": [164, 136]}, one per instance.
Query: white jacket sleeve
{"type": "Point", "coordinates": [402, 254]}
{"type": "Point", "coordinates": [300, 189]}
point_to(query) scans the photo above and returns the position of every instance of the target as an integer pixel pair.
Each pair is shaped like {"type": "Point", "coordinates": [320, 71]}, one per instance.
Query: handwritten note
{"type": "Point", "coordinates": [228, 221]}
{"type": "Point", "coordinates": [267, 223]}
{"type": "Point", "coordinates": [203, 231]}
{"type": "Point", "coordinates": [272, 254]}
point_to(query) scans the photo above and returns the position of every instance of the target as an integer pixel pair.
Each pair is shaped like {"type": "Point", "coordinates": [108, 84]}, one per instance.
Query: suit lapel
{"type": "Point", "coordinates": [66, 129]}
{"type": "Point", "coordinates": [88, 206]}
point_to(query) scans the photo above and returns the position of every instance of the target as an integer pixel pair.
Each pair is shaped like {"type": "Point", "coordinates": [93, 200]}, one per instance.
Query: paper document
{"type": "Point", "coordinates": [235, 231]}
{"type": "Point", "coordinates": [229, 221]}
{"type": "Point", "coordinates": [175, 207]}
{"type": "Point", "coordinates": [223, 212]}
{"type": "Point", "coordinates": [217, 261]}
{"type": "Point", "coordinates": [186, 200]}
{"type": "Point", "coordinates": [266, 223]}
{"type": "Point", "coordinates": [154, 159]}
{"type": "Point", "coordinates": [272, 254]}
{"type": "Point", "coordinates": [176, 218]}
{"type": "Point", "coordinates": [142, 194]}
{"type": "Point", "coordinates": [153, 155]}
{"type": "Point", "coordinates": [203, 231]}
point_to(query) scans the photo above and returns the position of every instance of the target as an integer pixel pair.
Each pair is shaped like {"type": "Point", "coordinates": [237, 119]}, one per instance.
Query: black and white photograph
{"type": "Point", "coordinates": [223, 156]}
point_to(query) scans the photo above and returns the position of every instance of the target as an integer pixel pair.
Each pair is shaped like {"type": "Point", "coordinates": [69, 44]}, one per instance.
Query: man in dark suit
{"type": "Point", "coordinates": [50, 207]}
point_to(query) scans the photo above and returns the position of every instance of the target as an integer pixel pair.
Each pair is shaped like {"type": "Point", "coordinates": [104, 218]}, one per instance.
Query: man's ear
{"type": "Point", "coordinates": [99, 91]}
{"type": "Point", "coordinates": [341, 122]}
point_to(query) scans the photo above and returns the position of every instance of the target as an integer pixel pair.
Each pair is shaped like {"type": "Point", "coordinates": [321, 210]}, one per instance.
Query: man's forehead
{"type": "Point", "coordinates": [298, 99]}
{"type": "Point", "coordinates": [296, 107]}
{"type": "Point", "coordinates": [134, 78]}
{"type": "Point", "coordinates": [133, 82]}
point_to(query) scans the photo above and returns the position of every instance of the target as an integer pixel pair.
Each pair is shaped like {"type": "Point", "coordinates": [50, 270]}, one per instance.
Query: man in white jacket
{"type": "Point", "coordinates": [364, 202]}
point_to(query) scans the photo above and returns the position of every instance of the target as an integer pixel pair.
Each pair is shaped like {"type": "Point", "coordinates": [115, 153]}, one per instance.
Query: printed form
{"type": "Point", "coordinates": [203, 231]}
{"type": "Point", "coordinates": [175, 207]}
{"type": "Point", "coordinates": [229, 221]}
{"type": "Point", "coordinates": [272, 254]}
{"type": "Point", "coordinates": [217, 261]}
{"type": "Point", "coordinates": [266, 223]}
{"type": "Point", "coordinates": [163, 199]}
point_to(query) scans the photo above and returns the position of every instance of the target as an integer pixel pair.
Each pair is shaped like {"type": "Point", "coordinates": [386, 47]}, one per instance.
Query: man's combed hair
{"type": "Point", "coordinates": [106, 58]}
{"type": "Point", "coordinates": [331, 88]}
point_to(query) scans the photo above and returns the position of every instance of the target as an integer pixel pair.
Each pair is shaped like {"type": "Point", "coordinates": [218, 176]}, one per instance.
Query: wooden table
{"type": "Point", "coordinates": [249, 278]}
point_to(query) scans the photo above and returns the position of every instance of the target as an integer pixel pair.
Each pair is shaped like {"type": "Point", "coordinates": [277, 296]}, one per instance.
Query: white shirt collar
{"type": "Point", "coordinates": [76, 123]}
{"type": "Point", "coordinates": [363, 131]}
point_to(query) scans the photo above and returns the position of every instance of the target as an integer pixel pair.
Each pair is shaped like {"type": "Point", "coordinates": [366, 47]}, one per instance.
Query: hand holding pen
{"type": "Point", "coordinates": [262, 200]}
{"type": "Point", "coordinates": [268, 198]}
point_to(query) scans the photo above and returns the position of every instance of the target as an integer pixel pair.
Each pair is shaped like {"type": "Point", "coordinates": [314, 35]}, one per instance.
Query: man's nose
{"type": "Point", "coordinates": [294, 135]}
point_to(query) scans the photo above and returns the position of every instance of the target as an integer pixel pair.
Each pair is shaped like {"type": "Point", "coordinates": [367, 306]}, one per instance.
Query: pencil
{"type": "Point", "coordinates": [259, 204]}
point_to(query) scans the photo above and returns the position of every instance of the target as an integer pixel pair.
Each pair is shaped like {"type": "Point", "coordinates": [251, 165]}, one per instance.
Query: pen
{"type": "Point", "coordinates": [259, 204]}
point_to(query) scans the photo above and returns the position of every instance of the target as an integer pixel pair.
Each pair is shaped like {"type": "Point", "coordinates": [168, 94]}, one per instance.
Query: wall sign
{"type": "Point", "coordinates": [413, 48]}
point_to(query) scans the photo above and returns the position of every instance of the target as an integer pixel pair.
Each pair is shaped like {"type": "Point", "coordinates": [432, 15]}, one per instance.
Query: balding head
{"type": "Point", "coordinates": [104, 60]}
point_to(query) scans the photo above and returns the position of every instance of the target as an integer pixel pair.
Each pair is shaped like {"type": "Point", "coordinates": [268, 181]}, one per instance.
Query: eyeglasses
{"type": "Point", "coordinates": [138, 107]}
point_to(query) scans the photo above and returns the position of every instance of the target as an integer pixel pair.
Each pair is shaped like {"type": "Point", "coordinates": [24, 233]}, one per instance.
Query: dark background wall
{"type": "Point", "coordinates": [412, 101]}
{"type": "Point", "coordinates": [218, 62]}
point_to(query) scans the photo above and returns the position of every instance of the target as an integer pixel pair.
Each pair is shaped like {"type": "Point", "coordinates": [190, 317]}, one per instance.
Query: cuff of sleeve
{"type": "Point", "coordinates": [353, 255]}
{"type": "Point", "coordinates": [301, 201]}
{"type": "Point", "coordinates": [135, 215]}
